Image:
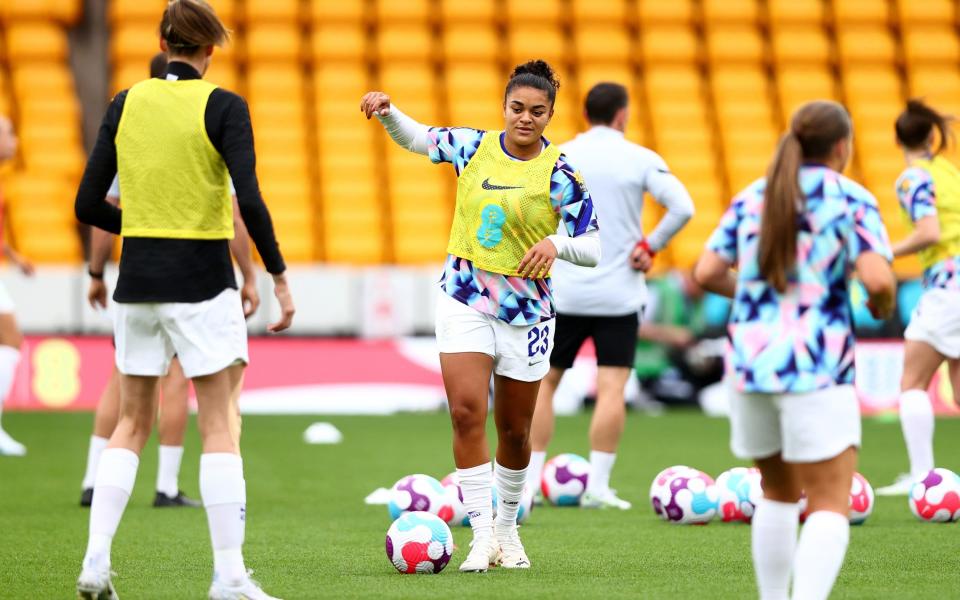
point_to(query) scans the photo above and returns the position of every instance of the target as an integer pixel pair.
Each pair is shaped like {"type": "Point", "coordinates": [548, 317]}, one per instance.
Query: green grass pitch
{"type": "Point", "coordinates": [309, 535]}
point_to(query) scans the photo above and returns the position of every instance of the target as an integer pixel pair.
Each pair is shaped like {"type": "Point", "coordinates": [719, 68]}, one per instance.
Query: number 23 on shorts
{"type": "Point", "coordinates": [538, 341]}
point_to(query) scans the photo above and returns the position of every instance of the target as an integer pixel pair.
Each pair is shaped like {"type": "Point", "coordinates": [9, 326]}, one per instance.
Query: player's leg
{"type": "Point", "coordinates": [920, 362]}
{"type": "Point", "coordinates": [104, 422]}
{"type": "Point", "coordinates": [954, 370]}
{"type": "Point", "coordinates": [10, 340]}
{"type": "Point", "coordinates": [116, 474]}
{"type": "Point", "coordinates": [171, 426]}
{"type": "Point", "coordinates": [774, 527]}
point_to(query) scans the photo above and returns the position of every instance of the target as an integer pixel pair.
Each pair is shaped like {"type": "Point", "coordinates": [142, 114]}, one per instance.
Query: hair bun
{"type": "Point", "coordinates": [540, 68]}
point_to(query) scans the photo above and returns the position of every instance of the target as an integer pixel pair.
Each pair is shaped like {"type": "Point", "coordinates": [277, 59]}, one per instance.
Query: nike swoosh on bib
{"type": "Point", "coordinates": [492, 187]}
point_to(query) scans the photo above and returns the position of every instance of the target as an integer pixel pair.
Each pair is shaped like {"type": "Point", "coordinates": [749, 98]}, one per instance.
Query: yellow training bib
{"type": "Point", "coordinates": [503, 207]}
{"type": "Point", "coordinates": [173, 182]}
{"type": "Point", "coordinates": [946, 186]}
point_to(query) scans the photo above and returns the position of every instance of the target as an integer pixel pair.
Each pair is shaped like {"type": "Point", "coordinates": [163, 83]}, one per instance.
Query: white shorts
{"type": "Point", "coordinates": [520, 352]}
{"type": "Point", "coordinates": [936, 321]}
{"type": "Point", "coordinates": [7, 305]}
{"type": "Point", "coordinates": [206, 337]}
{"type": "Point", "coordinates": [803, 428]}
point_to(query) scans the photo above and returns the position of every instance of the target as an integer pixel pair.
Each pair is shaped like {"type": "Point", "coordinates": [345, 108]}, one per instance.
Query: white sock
{"type": "Point", "coordinates": [819, 556]}
{"type": "Point", "coordinates": [535, 469]}
{"type": "Point", "coordinates": [114, 482]}
{"type": "Point", "coordinates": [97, 445]}
{"type": "Point", "coordinates": [9, 359]}
{"type": "Point", "coordinates": [601, 464]}
{"type": "Point", "coordinates": [774, 533]}
{"type": "Point", "coordinates": [476, 483]}
{"type": "Point", "coordinates": [168, 470]}
{"type": "Point", "coordinates": [224, 494]}
{"type": "Point", "coordinates": [510, 484]}
{"type": "Point", "coordinates": [916, 420]}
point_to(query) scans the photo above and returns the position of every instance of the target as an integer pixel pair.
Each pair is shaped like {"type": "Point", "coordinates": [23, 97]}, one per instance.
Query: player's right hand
{"type": "Point", "coordinates": [375, 103]}
{"type": "Point", "coordinates": [282, 291]}
{"type": "Point", "coordinates": [97, 294]}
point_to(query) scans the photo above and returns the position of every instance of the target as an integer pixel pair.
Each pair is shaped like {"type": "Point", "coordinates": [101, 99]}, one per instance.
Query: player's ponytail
{"type": "Point", "coordinates": [917, 121]}
{"type": "Point", "coordinates": [814, 130]}
{"type": "Point", "coordinates": [189, 25]}
{"type": "Point", "coordinates": [536, 74]}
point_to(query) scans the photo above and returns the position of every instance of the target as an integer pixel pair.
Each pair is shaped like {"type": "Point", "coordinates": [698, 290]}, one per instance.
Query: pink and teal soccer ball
{"type": "Point", "coordinates": [419, 542]}
{"type": "Point", "coordinates": [416, 493]}
{"type": "Point", "coordinates": [658, 489]}
{"type": "Point", "coordinates": [739, 491]}
{"type": "Point", "coordinates": [936, 497]}
{"type": "Point", "coordinates": [565, 479]}
{"type": "Point", "coordinates": [861, 499]}
{"type": "Point", "coordinates": [690, 497]}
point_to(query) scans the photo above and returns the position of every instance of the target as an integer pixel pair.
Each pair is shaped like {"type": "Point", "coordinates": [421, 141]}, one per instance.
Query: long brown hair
{"type": "Point", "coordinates": [917, 121]}
{"type": "Point", "coordinates": [189, 25]}
{"type": "Point", "coordinates": [814, 129]}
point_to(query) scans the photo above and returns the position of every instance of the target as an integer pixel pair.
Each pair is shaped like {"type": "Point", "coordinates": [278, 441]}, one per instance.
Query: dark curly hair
{"type": "Point", "coordinates": [536, 74]}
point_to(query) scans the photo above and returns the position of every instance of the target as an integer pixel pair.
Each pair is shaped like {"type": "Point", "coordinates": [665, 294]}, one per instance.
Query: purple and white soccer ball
{"type": "Point", "coordinates": [658, 487]}
{"type": "Point", "coordinates": [690, 497]}
{"type": "Point", "coordinates": [415, 493]}
{"type": "Point", "coordinates": [419, 542]}
{"type": "Point", "coordinates": [739, 490]}
{"type": "Point", "coordinates": [565, 479]}
{"type": "Point", "coordinates": [936, 497]}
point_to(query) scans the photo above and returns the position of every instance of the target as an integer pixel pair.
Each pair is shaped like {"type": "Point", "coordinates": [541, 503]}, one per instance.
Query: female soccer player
{"type": "Point", "coordinates": [495, 312]}
{"type": "Point", "coordinates": [929, 192]}
{"type": "Point", "coordinates": [175, 142]}
{"type": "Point", "coordinates": [792, 238]}
{"type": "Point", "coordinates": [10, 337]}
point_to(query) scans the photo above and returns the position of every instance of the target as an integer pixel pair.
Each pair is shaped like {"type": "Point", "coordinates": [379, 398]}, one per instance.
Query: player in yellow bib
{"type": "Point", "coordinates": [495, 313]}
{"type": "Point", "coordinates": [929, 193]}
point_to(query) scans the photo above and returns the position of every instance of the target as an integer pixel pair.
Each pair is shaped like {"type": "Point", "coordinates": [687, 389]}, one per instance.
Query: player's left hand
{"type": "Point", "coordinates": [537, 261]}
{"type": "Point", "coordinates": [249, 298]}
{"type": "Point", "coordinates": [641, 259]}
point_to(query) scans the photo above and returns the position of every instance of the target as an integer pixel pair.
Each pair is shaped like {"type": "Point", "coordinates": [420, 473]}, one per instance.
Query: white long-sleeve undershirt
{"type": "Point", "coordinates": [669, 193]}
{"type": "Point", "coordinates": [583, 250]}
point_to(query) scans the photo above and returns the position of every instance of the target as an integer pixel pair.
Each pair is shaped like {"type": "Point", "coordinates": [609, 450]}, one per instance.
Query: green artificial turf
{"type": "Point", "coordinates": [309, 534]}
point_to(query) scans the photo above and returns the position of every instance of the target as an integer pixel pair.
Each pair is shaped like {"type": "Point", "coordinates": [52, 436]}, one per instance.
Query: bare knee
{"type": "Point", "coordinates": [467, 419]}
{"type": "Point", "coordinates": [514, 435]}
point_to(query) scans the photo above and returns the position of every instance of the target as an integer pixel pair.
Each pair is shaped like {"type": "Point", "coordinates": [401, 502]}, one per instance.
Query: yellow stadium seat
{"type": "Point", "coordinates": [938, 85]}
{"type": "Point", "coordinates": [470, 43]}
{"type": "Point", "coordinates": [859, 45]}
{"type": "Point", "coordinates": [36, 41]}
{"type": "Point", "coordinates": [410, 11]}
{"type": "Point", "coordinates": [931, 44]}
{"type": "Point", "coordinates": [406, 41]}
{"type": "Point", "coordinates": [734, 43]}
{"type": "Point", "coordinates": [934, 12]}
{"type": "Point", "coordinates": [669, 44]}
{"type": "Point", "coordinates": [603, 11]}
{"type": "Point", "coordinates": [273, 42]}
{"type": "Point", "coordinates": [327, 11]}
{"type": "Point", "coordinates": [529, 41]}
{"type": "Point", "coordinates": [799, 84]}
{"type": "Point", "coordinates": [730, 11]}
{"type": "Point", "coordinates": [67, 161]}
{"type": "Point", "coordinates": [658, 12]}
{"type": "Point", "coordinates": [136, 41]}
{"type": "Point", "coordinates": [63, 11]}
{"type": "Point", "coordinates": [481, 107]}
{"type": "Point", "coordinates": [223, 73]}
{"type": "Point", "coordinates": [871, 84]}
{"type": "Point", "coordinates": [40, 80]}
{"type": "Point", "coordinates": [602, 43]}
{"type": "Point", "coordinates": [847, 12]}
{"type": "Point", "coordinates": [126, 74]}
{"type": "Point", "coordinates": [125, 11]}
{"type": "Point", "coordinates": [474, 12]}
{"type": "Point", "coordinates": [353, 231]}
{"type": "Point", "coordinates": [339, 41]}
{"type": "Point", "coordinates": [260, 11]}
{"type": "Point", "coordinates": [226, 10]}
{"type": "Point", "coordinates": [534, 11]}
{"type": "Point", "coordinates": [807, 12]}
{"type": "Point", "coordinates": [800, 44]}
{"type": "Point", "coordinates": [278, 82]}
{"type": "Point", "coordinates": [412, 87]}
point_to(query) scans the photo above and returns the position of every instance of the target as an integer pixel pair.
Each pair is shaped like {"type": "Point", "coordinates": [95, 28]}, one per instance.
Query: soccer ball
{"type": "Point", "coordinates": [861, 499]}
{"type": "Point", "coordinates": [526, 504]}
{"type": "Point", "coordinates": [658, 487]}
{"type": "Point", "coordinates": [420, 493]}
{"type": "Point", "coordinates": [691, 498]}
{"type": "Point", "coordinates": [565, 479]}
{"type": "Point", "coordinates": [458, 512]}
{"type": "Point", "coordinates": [936, 497]}
{"type": "Point", "coordinates": [419, 542]}
{"type": "Point", "coordinates": [739, 490]}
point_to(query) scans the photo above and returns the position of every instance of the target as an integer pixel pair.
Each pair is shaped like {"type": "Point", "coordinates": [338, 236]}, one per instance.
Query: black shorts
{"type": "Point", "coordinates": [615, 339]}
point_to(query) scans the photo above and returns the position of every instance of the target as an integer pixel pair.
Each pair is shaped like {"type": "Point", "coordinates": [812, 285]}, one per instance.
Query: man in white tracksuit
{"type": "Point", "coordinates": [603, 303]}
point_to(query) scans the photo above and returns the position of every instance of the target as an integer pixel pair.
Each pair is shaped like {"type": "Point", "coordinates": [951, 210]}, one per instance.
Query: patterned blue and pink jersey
{"type": "Point", "coordinates": [918, 197]}
{"type": "Point", "coordinates": [802, 340]}
{"type": "Point", "coordinates": [515, 300]}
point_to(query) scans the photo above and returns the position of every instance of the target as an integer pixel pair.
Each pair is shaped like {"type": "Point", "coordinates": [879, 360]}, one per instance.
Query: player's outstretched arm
{"type": "Point", "coordinates": [402, 129]}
